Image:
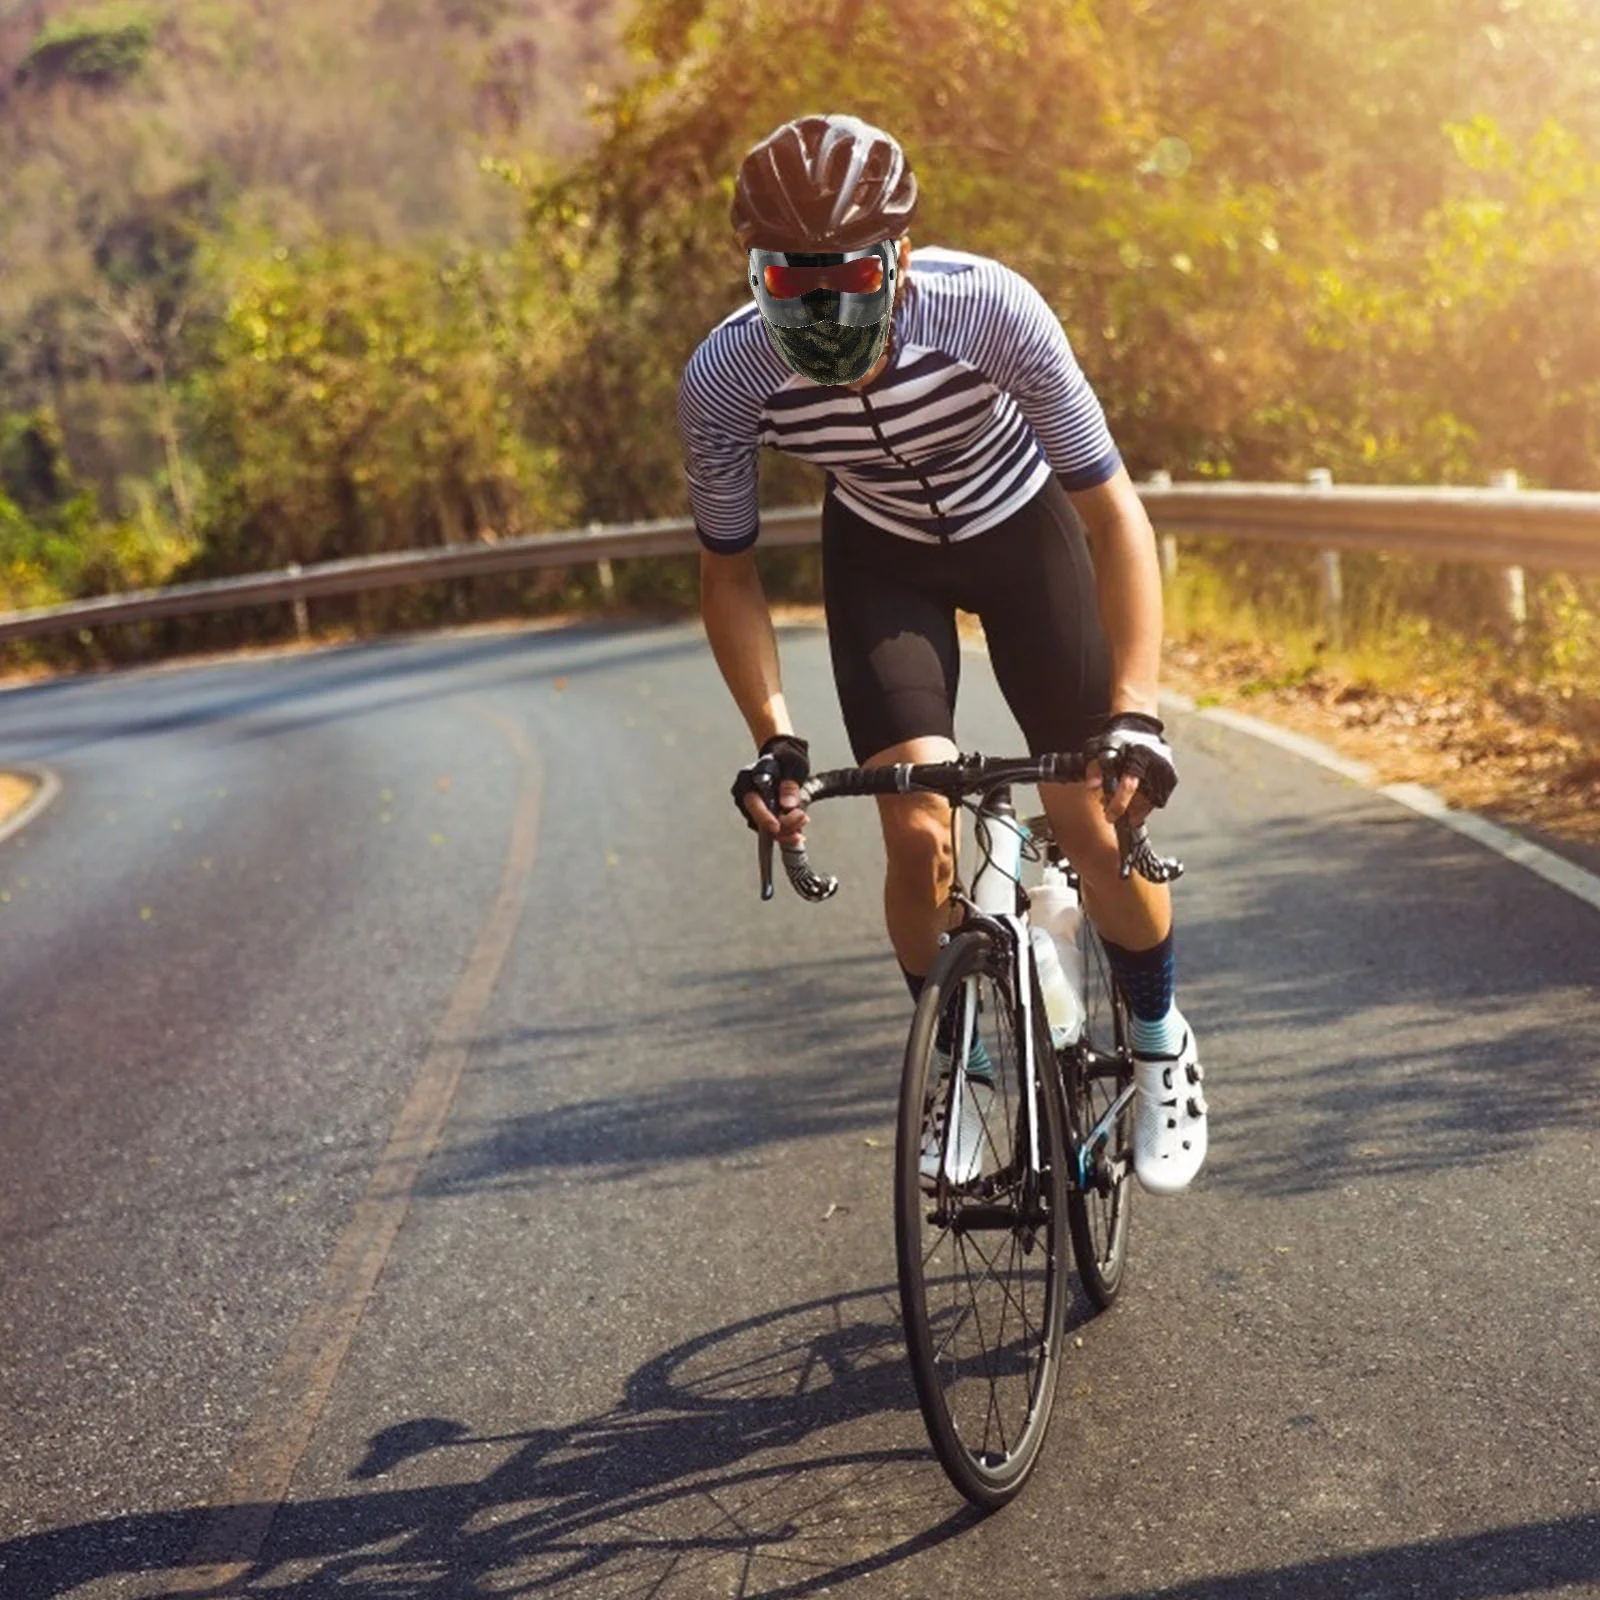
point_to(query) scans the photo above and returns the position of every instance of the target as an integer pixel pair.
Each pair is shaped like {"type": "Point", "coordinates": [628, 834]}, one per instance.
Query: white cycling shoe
{"type": "Point", "coordinates": [1169, 1119]}
{"type": "Point", "coordinates": [963, 1160]}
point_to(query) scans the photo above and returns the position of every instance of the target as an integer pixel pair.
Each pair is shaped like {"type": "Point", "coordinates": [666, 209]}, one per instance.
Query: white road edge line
{"type": "Point", "coordinates": [49, 788]}
{"type": "Point", "coordinates": [1555, 869]}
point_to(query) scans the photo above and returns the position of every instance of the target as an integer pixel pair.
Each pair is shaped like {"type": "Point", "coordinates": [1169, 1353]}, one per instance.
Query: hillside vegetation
{"type": "Point", "coordinates": [317, 277]}
{"type": "Point", "coordinates": [174, 179]}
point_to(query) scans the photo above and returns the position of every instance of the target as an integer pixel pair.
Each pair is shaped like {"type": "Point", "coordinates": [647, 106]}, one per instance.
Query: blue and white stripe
{"type": "Point", "coordinates": [982, 400]}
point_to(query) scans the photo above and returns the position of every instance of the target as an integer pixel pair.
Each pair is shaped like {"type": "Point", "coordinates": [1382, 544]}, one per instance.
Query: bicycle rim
{"type": "Point", "coordinates": [980, 1242]}
{"type": "Point", "coordinates": [1096, 1071]}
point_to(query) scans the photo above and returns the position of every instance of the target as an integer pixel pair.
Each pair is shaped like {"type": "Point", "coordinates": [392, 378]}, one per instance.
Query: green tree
{"type": "Point", "coordinates": [363, 400]}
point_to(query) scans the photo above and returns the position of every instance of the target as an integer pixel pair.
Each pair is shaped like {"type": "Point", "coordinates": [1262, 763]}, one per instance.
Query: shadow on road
{"type": "Point", "coordinates": [736, 1060]}
{"type": "Point", "coordinates": [1390, 1004]}
{"type": "Point", "coordinates": [1535, 1558]}
{"type": "Point", "coordinates": [777, 1456]}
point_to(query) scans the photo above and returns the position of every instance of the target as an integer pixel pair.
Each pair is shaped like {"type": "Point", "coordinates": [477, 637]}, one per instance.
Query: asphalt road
{"type": "Point", "coordinates": [426, 1169]}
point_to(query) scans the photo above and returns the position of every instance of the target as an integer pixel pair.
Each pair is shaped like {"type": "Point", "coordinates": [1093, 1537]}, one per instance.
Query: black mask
{"type": "Point", "coordinates": [825, 352]}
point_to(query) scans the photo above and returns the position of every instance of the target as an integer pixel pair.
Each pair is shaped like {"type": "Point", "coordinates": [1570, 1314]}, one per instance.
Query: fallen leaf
{"type": "Point", "coordinates": [560, 684]}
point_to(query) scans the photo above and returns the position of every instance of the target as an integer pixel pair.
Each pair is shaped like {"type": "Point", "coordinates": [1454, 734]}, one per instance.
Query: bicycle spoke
{"type": "Point", "coordinates": [977, 1316]}
{"type": "Point", "coordinates": [1000, 1283]}
{"type": "Point", "coordinates": [980, 1318]}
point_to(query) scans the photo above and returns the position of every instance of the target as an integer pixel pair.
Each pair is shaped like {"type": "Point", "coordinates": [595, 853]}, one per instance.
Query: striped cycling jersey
{"type": "Point", "coordinates": [982, 399]}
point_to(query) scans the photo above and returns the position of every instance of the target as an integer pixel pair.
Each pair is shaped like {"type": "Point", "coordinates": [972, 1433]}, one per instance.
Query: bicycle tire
{"type": "Point", "coordinates": [988, 1461]}
{"type": "Point", "coordinates": [1095, 1070]}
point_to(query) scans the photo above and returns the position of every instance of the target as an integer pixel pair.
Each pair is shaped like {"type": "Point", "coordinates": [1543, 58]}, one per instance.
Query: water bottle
{"type": "Point", "coordinates": [1054, 913]}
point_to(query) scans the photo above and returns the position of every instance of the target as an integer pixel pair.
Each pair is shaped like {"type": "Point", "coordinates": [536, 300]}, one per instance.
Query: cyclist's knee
{"type": "Point", "coordinates": [1081, 827]}
{"type": "Point", "coordinates": [916, 835]}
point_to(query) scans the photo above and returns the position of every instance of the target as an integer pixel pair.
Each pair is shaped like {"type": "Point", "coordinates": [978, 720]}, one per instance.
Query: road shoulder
{"type": "Point", "coordinates": [24, 793]}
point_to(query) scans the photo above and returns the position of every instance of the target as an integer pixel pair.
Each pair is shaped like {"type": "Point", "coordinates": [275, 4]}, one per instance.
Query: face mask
{"type": "Point", "coordinates": [827, 353]}
{"type": "Point", "coordinates": [829, 314]}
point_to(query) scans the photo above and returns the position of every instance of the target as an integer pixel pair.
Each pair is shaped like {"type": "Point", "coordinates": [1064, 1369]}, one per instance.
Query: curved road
{"type": "Point", "coordinates": [427, 1170]}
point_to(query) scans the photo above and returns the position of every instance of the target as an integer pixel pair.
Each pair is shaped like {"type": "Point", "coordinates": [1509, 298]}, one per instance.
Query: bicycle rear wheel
{"type": "Point", "coordinates": [1097, 1074]}
{"type": "Point", "coordinates": [978, 1230]}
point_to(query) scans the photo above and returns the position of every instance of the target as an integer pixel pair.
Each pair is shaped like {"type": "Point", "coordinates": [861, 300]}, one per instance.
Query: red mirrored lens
{"type": "Point", "coordinates": [864, 275]}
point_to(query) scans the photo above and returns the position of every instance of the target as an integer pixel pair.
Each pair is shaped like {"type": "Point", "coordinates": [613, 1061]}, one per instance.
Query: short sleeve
{"type": "Point", "coordinates": [718, 432]}
{"type": "Point", "coordinates": [1024, 349]}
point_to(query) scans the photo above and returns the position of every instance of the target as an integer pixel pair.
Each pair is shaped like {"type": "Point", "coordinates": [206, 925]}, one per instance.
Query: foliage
{"type": "Point", "coordinates": [55, 543]}
{"type": "Point", "coordinates": [329, 277]}
{"type": "Point", "coordinates": [362, 400]}
{"type": "Point", "coordinates": [100, 49]}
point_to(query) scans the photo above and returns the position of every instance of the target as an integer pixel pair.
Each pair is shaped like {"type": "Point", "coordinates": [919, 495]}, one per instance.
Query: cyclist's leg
{"type": "Point", "coordinates": [1033, 585]}
{"type": "Point", "coordinates": [896, 662]}
{"type": "Point", "coordinates": [1040, 612]}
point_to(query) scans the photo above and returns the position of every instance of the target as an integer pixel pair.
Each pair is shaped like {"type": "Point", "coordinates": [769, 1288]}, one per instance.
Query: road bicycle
{"type": "Point", "coordinates": [1012, 1138]}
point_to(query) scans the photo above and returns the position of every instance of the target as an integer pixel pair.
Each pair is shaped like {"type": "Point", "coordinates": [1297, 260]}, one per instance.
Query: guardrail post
{"type": "Point", "coordinates": [1331, 578]}
{"type": "Point", "coordinates": [302, 612]}
{"type": "Point", "coordinates": [1166, 543]}
{"type": "Point", "coordinates": [1515, 580]}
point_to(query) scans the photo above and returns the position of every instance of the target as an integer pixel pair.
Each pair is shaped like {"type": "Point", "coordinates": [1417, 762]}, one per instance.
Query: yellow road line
{"type": "Point", "coordinates": [278, 1434]}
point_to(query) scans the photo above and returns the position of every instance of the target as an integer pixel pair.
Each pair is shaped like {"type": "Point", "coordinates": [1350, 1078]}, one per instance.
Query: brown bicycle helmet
{"type": "Point", "coordinates": [823, 184]}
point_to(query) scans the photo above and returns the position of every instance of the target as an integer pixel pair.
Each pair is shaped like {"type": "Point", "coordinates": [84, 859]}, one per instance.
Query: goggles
{"type": "Point", "coordinates": [853, 288]}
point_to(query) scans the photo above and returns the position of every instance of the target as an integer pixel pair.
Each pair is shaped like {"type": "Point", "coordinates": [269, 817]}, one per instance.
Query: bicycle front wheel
{"type": "Point", "coordinates": [979, 1226]}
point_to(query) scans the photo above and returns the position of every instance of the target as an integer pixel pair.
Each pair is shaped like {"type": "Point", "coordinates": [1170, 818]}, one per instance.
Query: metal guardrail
{"type": "Point", "coordinates": [1491, 527]}
{"type": "Point", "coordinates": [1501, 527]}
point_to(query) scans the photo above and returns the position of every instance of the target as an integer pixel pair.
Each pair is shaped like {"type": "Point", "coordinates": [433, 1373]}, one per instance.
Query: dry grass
{"type": "Point", "coordinates": [1500, 748]}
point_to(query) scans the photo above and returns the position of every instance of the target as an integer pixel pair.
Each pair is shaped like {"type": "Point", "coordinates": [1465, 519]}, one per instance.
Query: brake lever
{"type": "Point", "coordinates": [1135, 853]}
{"type": "Point", "coordinates": [764, 861]}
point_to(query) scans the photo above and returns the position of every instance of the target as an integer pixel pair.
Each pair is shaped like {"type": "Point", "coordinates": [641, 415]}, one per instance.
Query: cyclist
{"type": "Point", "coordinates": [959, 437]}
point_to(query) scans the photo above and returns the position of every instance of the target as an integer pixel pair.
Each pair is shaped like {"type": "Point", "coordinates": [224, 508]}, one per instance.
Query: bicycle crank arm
{"type": "Point", "coordinates": [1099, 1133]}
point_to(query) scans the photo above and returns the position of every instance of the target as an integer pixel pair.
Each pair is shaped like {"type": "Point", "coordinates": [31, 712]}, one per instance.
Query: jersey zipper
{"type": "Point", "coordinates": [894, 455]}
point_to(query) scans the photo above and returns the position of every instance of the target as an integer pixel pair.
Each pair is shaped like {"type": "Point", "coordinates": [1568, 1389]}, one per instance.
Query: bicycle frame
{"type": "Point", "coordinates": [999, 878]}
{"type": "Point", "coordinates": [1010, 929]}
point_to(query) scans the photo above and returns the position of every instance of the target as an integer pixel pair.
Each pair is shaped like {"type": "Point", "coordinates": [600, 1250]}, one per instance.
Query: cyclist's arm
{"type": "Point", "coordinates": [1128, 575]}
{"type": "Point", "coordinates": [738, 623]}
{"type": "Point", "coordinates": [717, 422]}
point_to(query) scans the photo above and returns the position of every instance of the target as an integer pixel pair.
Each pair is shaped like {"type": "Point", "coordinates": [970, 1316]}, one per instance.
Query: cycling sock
{"type": "Point", "coordinates": [979, 1066]}
{"type": "Point", "coordinates": [1146, 978]}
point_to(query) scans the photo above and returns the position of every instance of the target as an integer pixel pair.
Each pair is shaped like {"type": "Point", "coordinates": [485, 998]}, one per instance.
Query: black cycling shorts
{"type": "Point", "coordinates": [891, 606]}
